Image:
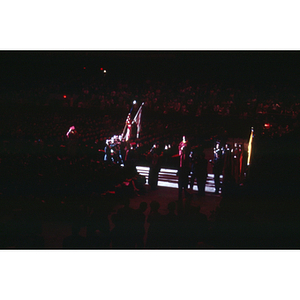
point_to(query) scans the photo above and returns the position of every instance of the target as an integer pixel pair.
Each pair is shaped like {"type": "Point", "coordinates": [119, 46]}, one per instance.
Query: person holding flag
{"type": "Point", "coordinates": [128, 127]}
{"type": "Point", "coordinates": [127, 138]}
{"type": "Point", "coordinates": [184, 150]}
{"type": "Point", "coordinates": [127, 131]}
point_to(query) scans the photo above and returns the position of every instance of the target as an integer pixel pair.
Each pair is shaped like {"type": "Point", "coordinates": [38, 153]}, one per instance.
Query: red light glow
{"type": "Point", "coordinates": [65, 96]}
{"type": "Point", "coordinates": [267, 125]}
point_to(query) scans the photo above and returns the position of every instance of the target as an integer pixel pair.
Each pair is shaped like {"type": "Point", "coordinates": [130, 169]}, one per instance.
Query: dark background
{"type": "Point", "coordinates": [233, 67]}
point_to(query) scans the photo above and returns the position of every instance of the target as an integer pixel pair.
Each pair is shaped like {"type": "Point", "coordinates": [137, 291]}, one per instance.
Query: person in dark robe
{"type": "Point", "coordinates": [199, 169]}
{"type": "Point", "coordinates": [184, 166]}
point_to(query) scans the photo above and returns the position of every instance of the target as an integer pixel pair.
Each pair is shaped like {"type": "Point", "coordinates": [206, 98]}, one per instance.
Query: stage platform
{"type": "Point", "coordinates": [168, 178]}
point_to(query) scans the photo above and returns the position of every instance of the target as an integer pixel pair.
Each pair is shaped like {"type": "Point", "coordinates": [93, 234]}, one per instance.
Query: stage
{"type": "Point", "coordinates": [168, 178]}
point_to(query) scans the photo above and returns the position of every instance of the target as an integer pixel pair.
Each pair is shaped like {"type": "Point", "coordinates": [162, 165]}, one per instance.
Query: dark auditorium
{"type": "Point", "coordinates": [149, 150]}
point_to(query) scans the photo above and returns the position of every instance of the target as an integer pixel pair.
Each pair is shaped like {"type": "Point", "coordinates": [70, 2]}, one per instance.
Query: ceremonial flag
{"type": "Point", "coordinates": [125, 130]}
{"type": "Point", "coordinates": [126, 134]}
{"type": "Point", "coordinates": [137, 120]}
{"type": "Point", "coordinates": [250, 146]}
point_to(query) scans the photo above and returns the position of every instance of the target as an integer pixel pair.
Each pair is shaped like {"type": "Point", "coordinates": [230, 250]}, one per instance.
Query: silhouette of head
{"type": "Point", "coordinates": [143, 206]}
{"type": "Point", "coordinates": [172, 206]}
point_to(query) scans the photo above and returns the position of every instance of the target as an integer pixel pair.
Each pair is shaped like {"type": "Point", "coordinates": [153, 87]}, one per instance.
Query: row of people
{"type": "Point", "coordinates": [129, 231]}
{"type": "Point", "coordinates": [186, 97]}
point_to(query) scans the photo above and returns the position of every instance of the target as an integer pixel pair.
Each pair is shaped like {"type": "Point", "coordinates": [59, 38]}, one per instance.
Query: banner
{"type": "Point", "coordinates": [250, 146]}
{"type": "Point", "coordinates": [137, 120]}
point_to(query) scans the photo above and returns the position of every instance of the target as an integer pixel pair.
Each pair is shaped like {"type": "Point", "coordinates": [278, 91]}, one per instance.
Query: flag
{"type": "Point", "coordinates": [125, 134]}
{"type": "Point", "coordinates": [137, 120]}
{"type": "Point", "coordinates": [250, 146]}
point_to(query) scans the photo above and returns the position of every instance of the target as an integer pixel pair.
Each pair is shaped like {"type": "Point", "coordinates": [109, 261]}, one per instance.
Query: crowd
{"type": "Point", "coordinates": [189, 97]}
{"type": "Point", "coordinates": [275, 106]}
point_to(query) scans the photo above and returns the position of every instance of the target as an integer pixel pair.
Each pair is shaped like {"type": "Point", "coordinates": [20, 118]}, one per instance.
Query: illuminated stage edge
{"type": "Point", "coordinates": [168, 178]}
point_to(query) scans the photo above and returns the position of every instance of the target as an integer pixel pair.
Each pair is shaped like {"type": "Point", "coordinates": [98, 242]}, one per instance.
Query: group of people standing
{"type": "Point", "coordinates": [192, 166]}
{"type": "Point", "coordinates": [191, 162]}
{"type": "Point", "coordinates": [229, 161]}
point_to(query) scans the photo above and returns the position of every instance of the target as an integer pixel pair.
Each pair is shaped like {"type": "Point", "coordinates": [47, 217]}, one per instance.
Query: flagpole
{"type": "Point", "coordinates": [135, 117]}
{"type": "Point", "coordinates": [249, 152]}
{"type": "Point", "coordinates": [250, 146]}
{"type": "Point", "coordinates": [135, 120]}
{"type": "Point", "coordinates": [125, 125]}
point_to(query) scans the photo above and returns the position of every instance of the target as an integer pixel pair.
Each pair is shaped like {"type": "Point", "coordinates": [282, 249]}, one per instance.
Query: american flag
{"type": "Point", "coordinates": [137, 120]}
